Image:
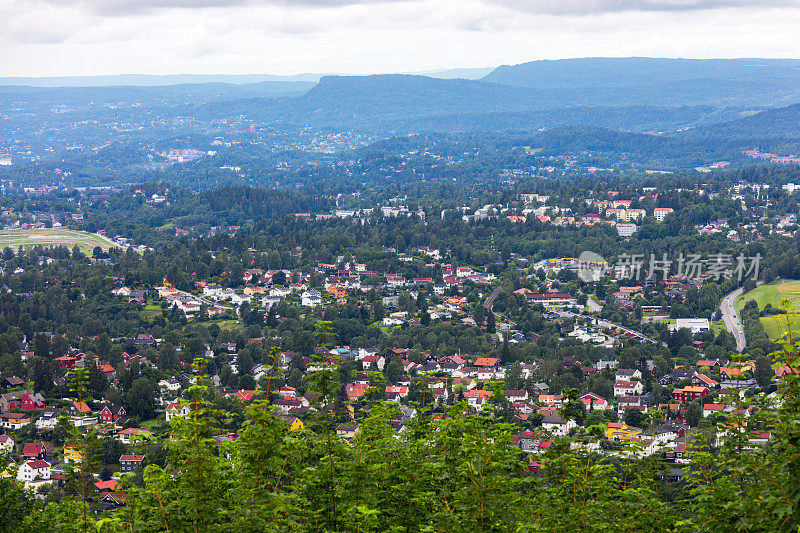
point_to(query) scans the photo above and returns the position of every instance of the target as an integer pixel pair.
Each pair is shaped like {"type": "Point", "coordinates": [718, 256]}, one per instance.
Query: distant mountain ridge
{"type": "Point", "coordinates": [400, 102]}
{"type": "Point", "coordinates": [704, 97]}
{"type": "Point", "coordinates": [621, 71]}
{"type": "Point", "coordinates": [155, 80]}
{"type": "Point", "coordinates": [152, 80]}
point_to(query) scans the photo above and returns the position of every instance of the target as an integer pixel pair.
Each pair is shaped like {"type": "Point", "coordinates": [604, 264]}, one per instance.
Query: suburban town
{"type": "Point", "coordinates": [399, 266]}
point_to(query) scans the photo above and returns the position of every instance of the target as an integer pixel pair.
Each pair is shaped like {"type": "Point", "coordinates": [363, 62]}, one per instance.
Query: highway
{"type": "Point", "coordinates": [731, 319]}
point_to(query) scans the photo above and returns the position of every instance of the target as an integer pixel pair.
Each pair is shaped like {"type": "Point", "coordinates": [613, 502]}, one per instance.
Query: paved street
{"type": "Point", "coordinates": [731, 319]}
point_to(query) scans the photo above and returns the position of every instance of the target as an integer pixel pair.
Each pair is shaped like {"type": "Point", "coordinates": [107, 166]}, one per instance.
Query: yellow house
{"type": "Point", "coordinates": [347, 431]}
{"type": "Point", "coordinates": [294, 422]}
{"type": "Point", "coordinates": [255, 290]}
{"type": "Point", "coordinates": [72, 455]}
{"type": "Point", "coordinates": [620, 431]}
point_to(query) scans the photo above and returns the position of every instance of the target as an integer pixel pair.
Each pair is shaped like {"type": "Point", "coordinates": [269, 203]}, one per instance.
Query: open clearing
{"type": "Point", "coordinates": [773, 293]}
{"type": "Point", "coordinates": [27, 238]}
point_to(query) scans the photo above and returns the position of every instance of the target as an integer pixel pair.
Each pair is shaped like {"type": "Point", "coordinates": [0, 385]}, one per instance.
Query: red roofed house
{"type": "Point", "coordinates": [287, 391]}
{"type": "Point", "coordinates": [534, 467]}
{"type": "Point", "coordinates": [131, 435]}
{"type": "Point", "coordinates": [355, 391]}
{"type": "Point", "coordinates": [66, 361]}
{"type": "Point", "coordinates": [733, 372]}
{"type": "Point", "coordinates": [628, 388]}
{"type": "Point", "coordinates": [129, 463]}
{"type": "Point", "coordinates": [242, 395]}
{"type": "Point", "coordinates": [476, 397]}
{"type": "Point", "coordinates": [712, 408]}
{"type": "Point", "coordinates": [106, 486]}
{"type": "Point", "coordinates": [687, 394]}
{"type": "Point", "coordinates": [29, 402]}
{"type": "Point", "coordinates": [594, 401]}
{"type": "Point", "coordinates": [487, 366]}
{"type": "Point", "coordinates": [79, 407]}
{"type": "Point", "coordinates": [108, 370]}
{"type": "Point", "coordinates": [34, 450]}
{"type": "Point", "coordinates": [394, 391]}
{"type": "Point", "coordinates": [112, 413]}
{"type": "Point", "coordinates": [33, 470]}
{"type": "Point", "coordinates": [710, 363]}
{"type": "Point", "coordinates": [176, 409]}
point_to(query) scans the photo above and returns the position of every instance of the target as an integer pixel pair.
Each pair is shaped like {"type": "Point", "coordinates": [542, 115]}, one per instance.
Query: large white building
{"type": "Point", "coordinates": [660, 213]}
{"type": "Point", "coordinates": [626, 229]}
{"type": "Point", "coordinates": [696, 325]}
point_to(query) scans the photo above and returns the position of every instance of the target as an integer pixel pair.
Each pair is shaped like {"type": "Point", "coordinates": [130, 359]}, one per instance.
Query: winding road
{"type": "Point", "coordinates": [731, 319]}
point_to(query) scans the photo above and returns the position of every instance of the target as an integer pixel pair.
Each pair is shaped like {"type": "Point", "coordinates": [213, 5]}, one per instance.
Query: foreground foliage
{"type": "Point", "coordinates": [451, 472]}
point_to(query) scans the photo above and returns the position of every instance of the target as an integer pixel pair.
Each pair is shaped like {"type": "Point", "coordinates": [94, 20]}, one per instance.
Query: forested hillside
{"type": "Point", "coordinates": [659, 81]}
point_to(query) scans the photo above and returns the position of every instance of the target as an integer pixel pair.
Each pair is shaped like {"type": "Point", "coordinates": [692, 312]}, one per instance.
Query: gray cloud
{"type": "Point", "coordinates": [119, 8]}
{"type": "Point", "coordinates": [594, 7]}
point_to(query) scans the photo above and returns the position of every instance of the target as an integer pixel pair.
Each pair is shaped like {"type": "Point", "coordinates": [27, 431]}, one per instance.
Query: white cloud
{"type": "Point", "coordinates": [70, 37]}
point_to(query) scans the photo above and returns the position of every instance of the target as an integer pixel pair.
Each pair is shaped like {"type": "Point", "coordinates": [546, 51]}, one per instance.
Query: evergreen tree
{"type": "Point", "coordinates": [42, 374]}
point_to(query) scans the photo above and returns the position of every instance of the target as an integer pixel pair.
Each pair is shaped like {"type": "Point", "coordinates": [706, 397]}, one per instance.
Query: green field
{"type": "Point", "coordinates": [388, 330]}
{"type": "Point", "coordinates": [86, 242]}
{"type": "Point", "coordinates": [226, 324]}
{"type": "Point", "coordinates": [151, 311]}
{"type": "Point", "coordinates": [773, 293]}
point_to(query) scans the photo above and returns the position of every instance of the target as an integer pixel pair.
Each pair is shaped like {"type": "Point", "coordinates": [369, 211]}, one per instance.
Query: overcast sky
{"type": "Point", "coordinates": [88, 37]}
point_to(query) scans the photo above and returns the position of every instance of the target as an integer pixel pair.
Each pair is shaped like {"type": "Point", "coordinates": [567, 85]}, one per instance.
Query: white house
{"type": "Point", "coordinates": [6, 443]}
{"type": "Point", "coordinates": [311, 298]}
{"type": "Point", "coordinates": [628, 388]}
{"type": "Point", "coordinates": [170, 384]}
{"type": "Point", "coordinates": [269, 301]}
{"type": "Point", "coordinates": [602, 365]}
{"type": "Point", "coordinates": [47, 420]}
{"type": "Point", "coordinates": [239, 299]}
{"type": "Point", "coordinates": [176, 409]}
{"type": "Point", "coordinates": [133, 435]}
{"type": "Point", "coordinates": [558, 426]}
{"type": "Point", "coordinates": [212, 290]}
{"type": "Point", "coordinates": [280, 291]}
{"type": "Point", "coordinates": [33, 470]}
{"type": "Point", "coordinates": [628, 374]}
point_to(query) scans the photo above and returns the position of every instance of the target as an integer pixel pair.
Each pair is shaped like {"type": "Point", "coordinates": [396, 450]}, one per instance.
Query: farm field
{"type": "Point", "coordinates": [773, 293]}
{"type": "Point", "coordinates": [53, 237]}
